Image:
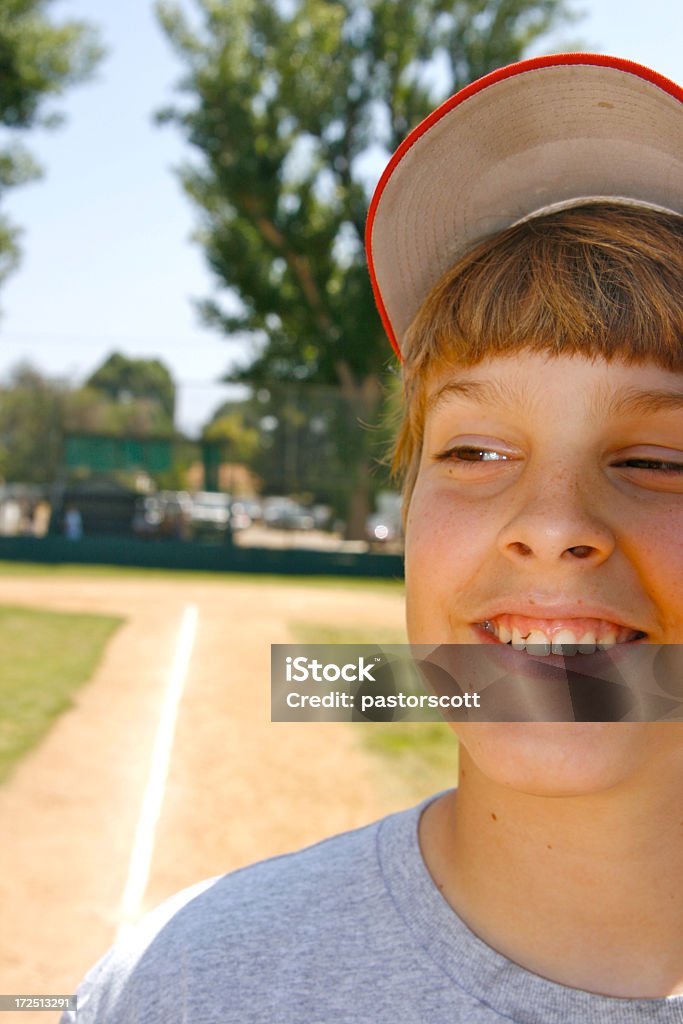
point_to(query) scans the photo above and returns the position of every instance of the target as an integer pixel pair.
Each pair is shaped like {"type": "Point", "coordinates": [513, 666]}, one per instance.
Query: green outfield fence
{"type": "Point", "coordinates": [55, 550]}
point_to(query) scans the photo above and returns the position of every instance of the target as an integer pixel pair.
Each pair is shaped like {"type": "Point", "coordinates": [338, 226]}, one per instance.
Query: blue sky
{"type": "Point", "coordinates": [107, 259]}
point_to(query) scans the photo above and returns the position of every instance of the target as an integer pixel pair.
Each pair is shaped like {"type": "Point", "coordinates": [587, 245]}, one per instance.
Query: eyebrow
{"type": "Point", "coordinates": [626, 401]}
{"type": "Point", "coordinates": [492, 392]}
{"type": "Point", "coordinates": [634, 400]}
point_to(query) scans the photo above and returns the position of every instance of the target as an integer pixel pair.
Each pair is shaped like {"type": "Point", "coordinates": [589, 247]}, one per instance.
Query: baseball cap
{"type": "Point", "coordinates": [527, 139]}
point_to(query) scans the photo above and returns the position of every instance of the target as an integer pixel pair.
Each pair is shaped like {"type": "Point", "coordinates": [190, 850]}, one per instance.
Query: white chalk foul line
{"type": "Point", "coordinates": [143, 845]}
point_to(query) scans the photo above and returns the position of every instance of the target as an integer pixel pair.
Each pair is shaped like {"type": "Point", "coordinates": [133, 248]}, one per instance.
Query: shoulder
{"type": "Point", "coordinates": [232, 939]}
{"type": "Point", "coordinates": [265, 899]}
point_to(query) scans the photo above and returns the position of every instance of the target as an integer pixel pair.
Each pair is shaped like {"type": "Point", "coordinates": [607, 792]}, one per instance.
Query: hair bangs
{"type": "Point", "coordinates": [601, 280]}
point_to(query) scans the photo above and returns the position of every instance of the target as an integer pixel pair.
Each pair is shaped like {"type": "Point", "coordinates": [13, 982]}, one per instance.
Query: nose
{"type": "Point", "coordinates": [557, 521]}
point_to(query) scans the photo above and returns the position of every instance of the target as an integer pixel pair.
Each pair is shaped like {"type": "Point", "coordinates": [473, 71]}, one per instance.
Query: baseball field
{"type": "Point", "coordinates": [163, 767]}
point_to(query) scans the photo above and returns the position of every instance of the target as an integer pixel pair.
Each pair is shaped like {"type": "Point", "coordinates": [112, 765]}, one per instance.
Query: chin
{"type": "Point", "coordinates": [555, 759]}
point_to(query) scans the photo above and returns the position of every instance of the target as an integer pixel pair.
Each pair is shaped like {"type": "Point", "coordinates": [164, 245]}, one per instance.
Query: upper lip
{"type": "Point", "coordinates": [561, 610]}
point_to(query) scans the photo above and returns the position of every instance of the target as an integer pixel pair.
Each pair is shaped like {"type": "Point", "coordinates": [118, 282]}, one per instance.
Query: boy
{"type": "Point", "coordinates": [526, 247]}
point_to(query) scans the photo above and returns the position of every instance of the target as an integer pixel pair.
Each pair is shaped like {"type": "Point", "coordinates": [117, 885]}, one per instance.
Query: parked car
{"type": "Point", "coordinates": [165, 515]}
{"type": "Point", "coordinates": [210, 515]}
{"type": "Point", "coordinates": [287, 514]}
{"type": "Point", "coordinates": [244, 512]}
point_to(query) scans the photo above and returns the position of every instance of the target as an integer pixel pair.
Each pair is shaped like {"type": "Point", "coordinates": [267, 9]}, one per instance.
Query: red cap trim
{"type": "Point", "coordinates": [553, 60]}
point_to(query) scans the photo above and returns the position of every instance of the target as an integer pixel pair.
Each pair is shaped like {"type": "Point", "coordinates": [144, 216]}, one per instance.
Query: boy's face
{"type": "Point", "coordinates": [549, 499]}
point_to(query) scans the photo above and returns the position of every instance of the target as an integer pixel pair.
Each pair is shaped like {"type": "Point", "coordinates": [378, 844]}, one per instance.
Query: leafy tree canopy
{"type": "Point", "coordinates": [123, 379]}
{"type": "Point", "coordinates": [39, 59]}
{"type": "Point", "coordinates": [240, 439]}
{"type": "Point", "coordinates": [36, 412]}
{"type": "Point", "coordinates": [292, 108]}
{"type": "Point", "coordinates": [31, 413]}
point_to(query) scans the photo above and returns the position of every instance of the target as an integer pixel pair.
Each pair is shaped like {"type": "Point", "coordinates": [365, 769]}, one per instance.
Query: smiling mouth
{"type": "Point", "coordinates": [566, 637]}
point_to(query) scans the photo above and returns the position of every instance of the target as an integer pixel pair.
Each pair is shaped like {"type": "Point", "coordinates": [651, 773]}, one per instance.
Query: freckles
{"type": "Point", "coordinates": [659, 545]}
{"type": "Point", "coordinates": [437, 531]}
{"type": "Point", "coordinates": [445, 546]}
{"type": "Point", "coordinates": [654, 546]}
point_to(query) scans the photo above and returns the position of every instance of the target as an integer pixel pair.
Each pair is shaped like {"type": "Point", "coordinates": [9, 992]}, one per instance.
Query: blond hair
{"type": "Point", "coordinates": [599, 280]}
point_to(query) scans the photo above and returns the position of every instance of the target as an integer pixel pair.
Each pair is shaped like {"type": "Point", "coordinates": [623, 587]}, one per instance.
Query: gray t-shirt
{"type": "Point", "coordinates": [350, 931]}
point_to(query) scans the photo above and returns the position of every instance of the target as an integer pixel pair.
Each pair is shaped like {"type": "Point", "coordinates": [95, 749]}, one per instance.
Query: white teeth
{"type": "Point", "coordinates": [564, 642]}
{"type": "Point", "coordinates": [608, 640]}
{"type": "Point", "coordinates": [503, 633]}
{"type": "Point", "coordinates": [518, 642]}
{"type": "Point", "coordinates": [537, 643]}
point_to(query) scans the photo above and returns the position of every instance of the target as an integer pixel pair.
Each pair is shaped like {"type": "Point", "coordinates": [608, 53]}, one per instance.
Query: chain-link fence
{"type": "Point", "coordinates": [283, 464]}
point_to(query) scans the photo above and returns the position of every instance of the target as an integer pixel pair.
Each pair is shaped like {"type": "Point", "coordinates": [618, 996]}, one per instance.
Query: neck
{"type": "Point", "coordinates": [582, 890]}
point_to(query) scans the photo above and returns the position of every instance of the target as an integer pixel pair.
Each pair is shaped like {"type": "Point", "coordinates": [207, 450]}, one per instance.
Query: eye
{"type": "Point", "coordinates": [653, 470]}
{"type": "Point", "coordinates": [654, 465]}
{"type": "Point", "coordinates": [468, 454]}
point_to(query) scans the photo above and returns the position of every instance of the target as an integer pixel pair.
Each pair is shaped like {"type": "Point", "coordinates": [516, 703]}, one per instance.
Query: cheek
{"type": "Point", "coordinates": [656, 546]}
{"type": "Point", "coordinates": [446, 543]}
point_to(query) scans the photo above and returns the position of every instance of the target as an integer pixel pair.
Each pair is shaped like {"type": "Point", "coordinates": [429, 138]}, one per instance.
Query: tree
{"type": "Point", "coordinates": [36, 413]}
{"type": "Point", "coordinates": [123, 379]}
{"type": "Point", "coordinates": [31, 416]}
{"type": "Point", "coordinates": [229, 427]}
{"type": "Point", "coordinates": [292, 110]}
{"type": "Point", "coordinates": [296, 438]}
{"type": "Point", "coordinates": [88, 410]}
{"type": "Point", "coordinates": [38, 60]}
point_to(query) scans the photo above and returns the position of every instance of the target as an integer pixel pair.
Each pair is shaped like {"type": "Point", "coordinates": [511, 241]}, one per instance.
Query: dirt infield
{"type": "Point", "coordinates": [240, 787]}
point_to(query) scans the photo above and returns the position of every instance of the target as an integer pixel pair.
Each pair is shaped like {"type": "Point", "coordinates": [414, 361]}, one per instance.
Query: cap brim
{"type": "Point", "coordinates": [553, 130]}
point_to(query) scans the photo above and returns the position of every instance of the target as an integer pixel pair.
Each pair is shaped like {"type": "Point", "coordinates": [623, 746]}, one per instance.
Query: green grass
{"type": "Point", "coordinates": [46, 657]}
{"type": "Point", "coordinates": [417, 758]}
{"type": "Point", "coordinates": [106, 572]}
{"type": "Point", "coordinates": [422, 757]}
{"type": "Point", "coordinates": [313, 633]}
